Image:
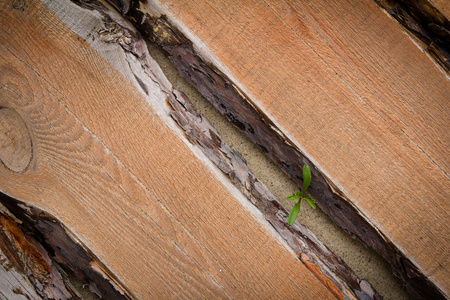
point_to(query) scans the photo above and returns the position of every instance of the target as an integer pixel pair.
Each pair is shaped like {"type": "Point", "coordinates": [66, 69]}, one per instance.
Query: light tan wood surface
{"type": "Point", "coordinates": [354, 93]}
{"type": "Point", "coordinates": [123, 179]}
{"type": "Point", "coordinates": [443, 6]}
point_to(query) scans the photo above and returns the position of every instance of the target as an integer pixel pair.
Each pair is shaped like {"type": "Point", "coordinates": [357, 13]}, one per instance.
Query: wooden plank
{"type": "Point", "coordinates": [442, 6]}
{"type": "Point", "coordinates": [427, 23]}
{"type": "Point", "coordinates": [371, 116]}
{"type": "Point", "coordinates": [112, 166]}
{"type": "Point", "coordinates": [327, 266]}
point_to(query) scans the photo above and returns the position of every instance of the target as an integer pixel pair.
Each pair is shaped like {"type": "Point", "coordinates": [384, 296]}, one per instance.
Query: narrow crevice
{"type": "Point", "coordinates": [327, 266]}
{"type": "Point", "coordinates": [232, 103]}
{"type": "Point", "coordinates": [365, 262]}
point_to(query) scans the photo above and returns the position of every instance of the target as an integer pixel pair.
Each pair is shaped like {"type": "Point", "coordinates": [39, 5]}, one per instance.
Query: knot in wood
{"type": "Point", "coordinates": [15, 141]}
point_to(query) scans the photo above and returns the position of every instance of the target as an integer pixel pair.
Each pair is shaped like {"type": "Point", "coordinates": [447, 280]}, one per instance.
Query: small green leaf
{"type": "Point", "coordinates": [311, 202]}
{"type": "Point", "coordinates": [293, 197]}
{"type": "Point", "coordinates": [306, 177]}
{"type": "Point", "coordinates": [294, 213]}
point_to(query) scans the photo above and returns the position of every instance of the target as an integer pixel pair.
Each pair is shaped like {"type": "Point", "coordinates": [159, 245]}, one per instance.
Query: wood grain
{"type": "Point", "coordinates": [124, 181]}
{"type": "Point", "coordinates": [327, 266]}
{"type": "Point", "coordinates": [352, 92]}
{"type": "Point", "coordinates": [15, 141]}
{"type": "Point", "coordinates": [442, 6]}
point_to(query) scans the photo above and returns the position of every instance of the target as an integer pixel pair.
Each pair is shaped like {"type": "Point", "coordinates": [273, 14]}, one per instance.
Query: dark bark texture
{"type": "Point", "coordinates": [237, 108]}
{"type": "Point", "coordinates": [39, 247]}
{"type": "Point", "coordinates": [313, 253]}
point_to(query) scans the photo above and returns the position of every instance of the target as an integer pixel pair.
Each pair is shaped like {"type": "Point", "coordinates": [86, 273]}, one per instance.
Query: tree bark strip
{"type": "Point", "coordinates": [327, 266]}
{"type": "Point", "coordinates": [39, 246]}
{"type": "Point", "coordinates": [235, 106]}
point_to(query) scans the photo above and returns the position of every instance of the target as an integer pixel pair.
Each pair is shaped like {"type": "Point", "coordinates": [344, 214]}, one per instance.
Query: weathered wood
{"type": "Point", "coordinates": [372, 119]}
{"type": "Point", "coordinates": [26, 265]}
{"type": "Point", "coordinates": [109, 163]}
{"type": "Point", "coordinates": [327, 266]}
{"type": "Point", "coordinates": [14, 282]}
{"type": "Point", "coordinates": [39, 253]}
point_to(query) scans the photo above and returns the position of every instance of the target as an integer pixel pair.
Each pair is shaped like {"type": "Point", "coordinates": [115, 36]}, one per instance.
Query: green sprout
{"type": "Point", "coordinates": [301, 195]}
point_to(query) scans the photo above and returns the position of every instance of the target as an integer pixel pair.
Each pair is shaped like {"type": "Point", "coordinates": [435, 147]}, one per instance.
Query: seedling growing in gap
{"type": "Point", "coordinates": [301, 195]}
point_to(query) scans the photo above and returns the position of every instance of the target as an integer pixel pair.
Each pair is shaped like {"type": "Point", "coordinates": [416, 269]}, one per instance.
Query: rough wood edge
{"type": "Point", "coordinates": [424, 23]}
{"type": "Point", "coordinates": [39, 247]}
{"type": "Point", "coordinates": [238, 109]}
{"type": "Point", "coordinates": [327, 266]}
{"type": "Point", "coordinates": [14, 283]}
